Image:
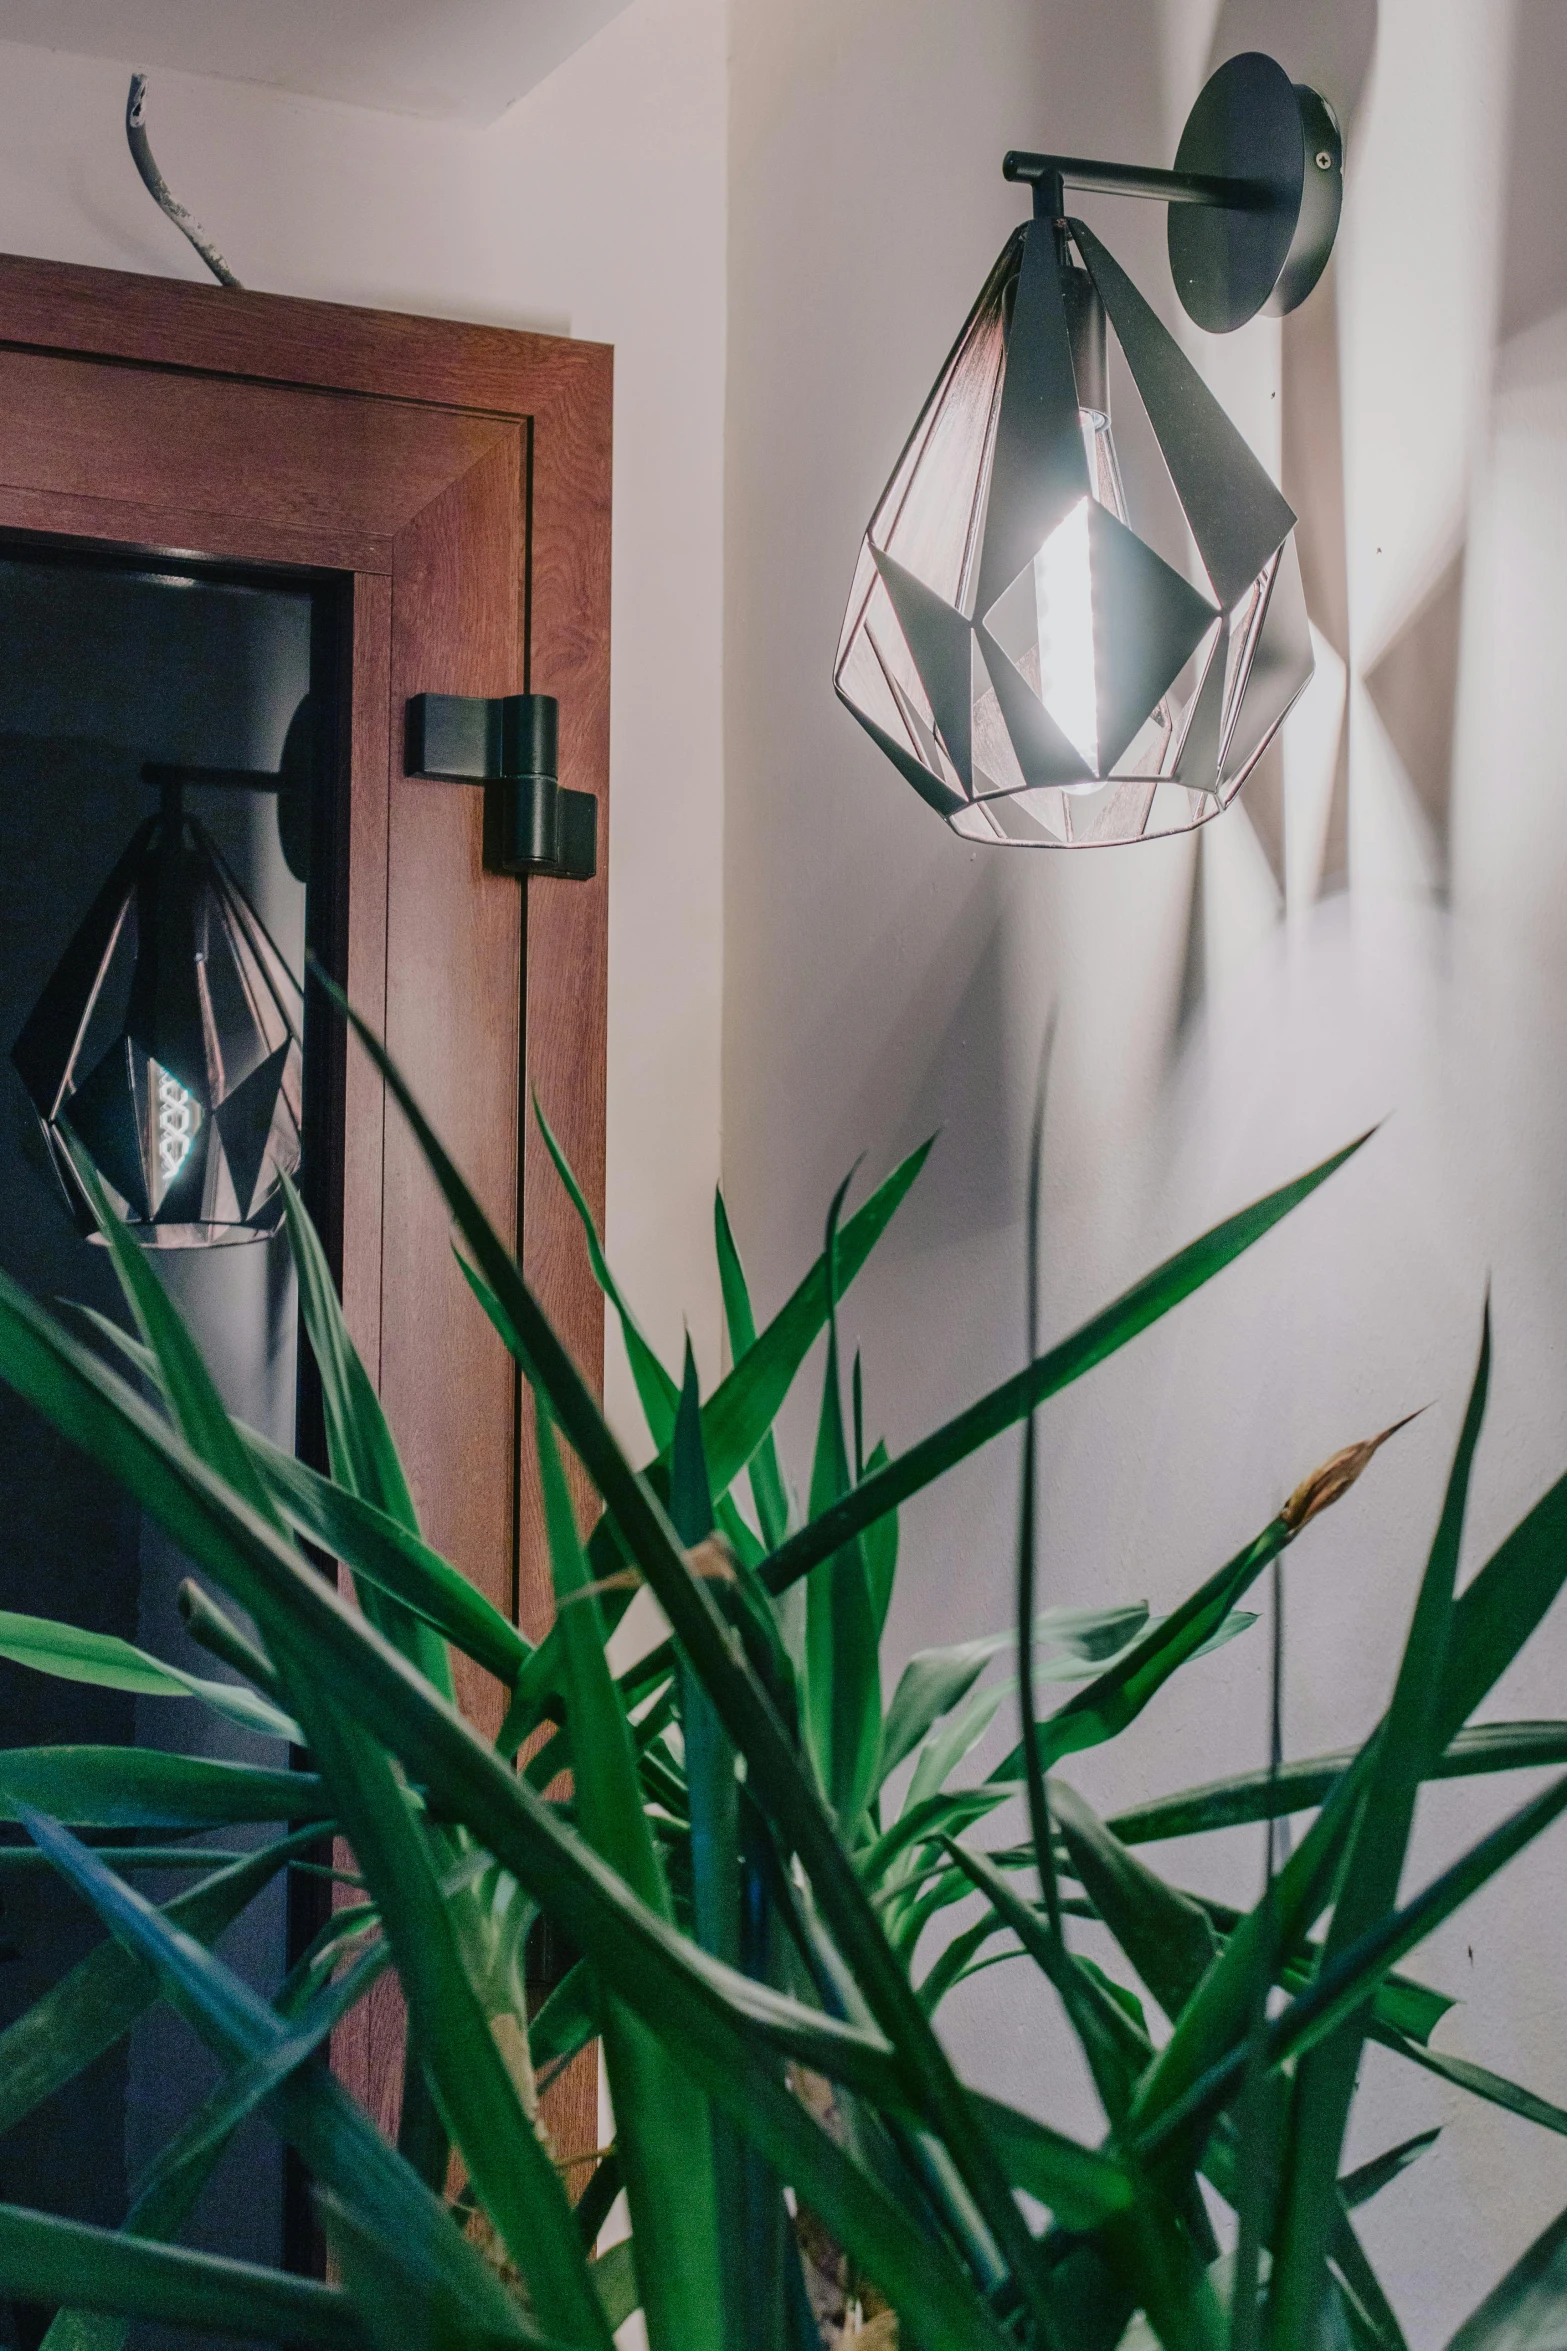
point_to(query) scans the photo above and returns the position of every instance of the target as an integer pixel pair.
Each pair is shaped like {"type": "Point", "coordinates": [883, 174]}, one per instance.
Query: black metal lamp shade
{"type": "Point", "coordinates": [167, 1044]}
{"type": "Point", "coordinates": [1039, 674]}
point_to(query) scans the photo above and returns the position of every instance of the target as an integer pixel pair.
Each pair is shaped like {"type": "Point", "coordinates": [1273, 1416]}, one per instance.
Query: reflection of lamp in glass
{"type": "Point", "coordinates": [1029, 662]}
{"type": "Point", "coordinates": [167, 1043]}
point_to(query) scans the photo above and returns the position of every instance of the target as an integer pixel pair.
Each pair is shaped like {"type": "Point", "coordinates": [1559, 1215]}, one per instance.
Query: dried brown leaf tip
{"type": "Point", "coordinates": [712, 1562]}
{"type": "Point", "coordinates": [1332, 1481]}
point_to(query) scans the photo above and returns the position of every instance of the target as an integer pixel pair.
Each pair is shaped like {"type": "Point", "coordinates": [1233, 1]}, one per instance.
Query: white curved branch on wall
{"type": "Point", "coordinates": [158, 187]}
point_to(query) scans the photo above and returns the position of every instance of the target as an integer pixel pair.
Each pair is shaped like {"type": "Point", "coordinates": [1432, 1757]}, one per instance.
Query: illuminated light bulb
{"type": "Point", "coordinates": [1064, 603]}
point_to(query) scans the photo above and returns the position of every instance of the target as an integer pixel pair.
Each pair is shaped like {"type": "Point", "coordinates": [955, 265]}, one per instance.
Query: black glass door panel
{"type": "Point", "coordinates": [106, 670]}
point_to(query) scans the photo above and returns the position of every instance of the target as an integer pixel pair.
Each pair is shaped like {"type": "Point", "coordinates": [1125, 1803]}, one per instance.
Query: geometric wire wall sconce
{"type": "Point", "coordinates": [166, 1043]}
{"type": "Point", "coordinates": [1028, 661]}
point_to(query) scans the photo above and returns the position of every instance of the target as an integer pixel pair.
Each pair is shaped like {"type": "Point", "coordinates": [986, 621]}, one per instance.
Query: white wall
{"type": "Point", "coordinates": [594, 207]}
{"type": "Point", "coordinates": [1228, 1012]}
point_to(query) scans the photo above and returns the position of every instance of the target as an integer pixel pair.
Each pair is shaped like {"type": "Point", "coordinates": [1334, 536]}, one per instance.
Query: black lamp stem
{"type": "Point", "coordinates": [1051, 175]}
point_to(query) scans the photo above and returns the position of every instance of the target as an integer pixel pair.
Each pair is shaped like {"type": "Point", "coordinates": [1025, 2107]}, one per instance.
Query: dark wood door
{"type": "Point", "coordinates": [455, 482]}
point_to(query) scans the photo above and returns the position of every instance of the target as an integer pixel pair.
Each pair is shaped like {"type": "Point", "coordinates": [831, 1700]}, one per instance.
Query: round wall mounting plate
{"type": "Point", "coordinates": [1252, 122]}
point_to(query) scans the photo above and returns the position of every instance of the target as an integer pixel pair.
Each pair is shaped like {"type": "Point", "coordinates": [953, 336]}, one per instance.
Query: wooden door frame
{"type": "Point", "coordinates": [558, 391]}
{"type": "Point", "coordinates": [530, 419]}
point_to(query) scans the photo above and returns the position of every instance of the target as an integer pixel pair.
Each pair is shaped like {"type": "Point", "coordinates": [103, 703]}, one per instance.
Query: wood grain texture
{"type": "Point", "coordinates": [563, 385]}
{"type": "Point", "coordinates": [453, 1004]}
{"type": "Point", "coordinates": [463, 474]}
{"type": "Point", "coordinates": [115, 523]}
{"type": "Point", "coordinates": [306, 459]}
{"type": "Point", "coordinates": [567, 922]}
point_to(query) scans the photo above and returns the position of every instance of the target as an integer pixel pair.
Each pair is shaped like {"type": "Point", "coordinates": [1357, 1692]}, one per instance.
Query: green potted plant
{"type": "Point", "coordinates": [750, 1899]}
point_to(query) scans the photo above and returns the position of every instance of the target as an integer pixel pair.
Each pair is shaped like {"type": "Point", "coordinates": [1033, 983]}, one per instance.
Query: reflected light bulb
{"type": "Point", "coordinates": [177, 1116]}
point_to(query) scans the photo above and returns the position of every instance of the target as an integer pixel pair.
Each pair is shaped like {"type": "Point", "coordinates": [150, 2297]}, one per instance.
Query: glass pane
{"type": "Point", "coordinates": [105, 670]}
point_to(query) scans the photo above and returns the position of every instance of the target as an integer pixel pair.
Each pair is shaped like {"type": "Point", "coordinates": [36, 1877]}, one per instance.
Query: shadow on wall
{"type": "Point", "coordinates": [1293, 825]}
{"type": "Point", "coordinates": [1534, 250]}
{"type": "Point", "coordinates": [1413, 681]}
{"type": "Point", "coordinates": [945, 1069]}
{"type": "Point", "coordinates": [1330, 45]}
{"type": "Point", "coordinates": [1512, 809]}
{"type": "Point", "coordinates": [867, 205]}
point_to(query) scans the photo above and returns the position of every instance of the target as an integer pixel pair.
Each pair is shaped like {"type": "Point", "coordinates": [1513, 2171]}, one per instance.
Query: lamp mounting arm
{"type": "Point", "coordinates": [1051, 175]}
{"type": "Point", "coordinates": [1254, 197]}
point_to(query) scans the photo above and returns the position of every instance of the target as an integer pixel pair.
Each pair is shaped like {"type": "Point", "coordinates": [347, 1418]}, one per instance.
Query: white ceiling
{"type": "Point", "coordinates": [466, 60]}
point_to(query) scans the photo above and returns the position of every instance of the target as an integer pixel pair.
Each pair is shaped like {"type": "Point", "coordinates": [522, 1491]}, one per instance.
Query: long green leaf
{"type": "Point", "coordinates": [479, 2101]}
{"type": "Point", "coordinates": [1369, 2179]}
{"type": "Point", "coordinates": [667, 1982]}
{"type": "Point", "coordinates": [1302, 1786]}
{"type": "Point", "coordinates": [657, 1393]}
{"type": "Point", "coordinates": [1523, 2312]}
{"type": "Point", "coordinates": [97, 2002]}
{"type": "Point", "coordinates": [1354, 2284]}
{"type": "Point", "coordinates": [505, 2160]}
{"type": "Point", "coordinates": [936, 1680]}
{"type": "Point", "coordinates": [397, 1561]}
{"type": "Point", "coordinates": [191, 2153]}
{"type": "Point", "coordinates": [663, 2132]}
{"type": "Point", "coordinates": [615, 2281]}
{"type": "Point", "coordinates": [1132, 1313]}
{"type": "Point", "coordinates": [739, 1414]}
{"type": "Point", "coordinates": [748, 2200]}
{"type": "Point", "coordinates": [168, 2190]}
{"type": "Point", "coordinates": [359, 1442]}
{"type": "Point", "coordinates": [142, 1788]}
{"type": "Point", "coordinates": [962, 1957]}
{"type": "Point", "coordinates": [1500, 1607]}
{"type": "Point", "coordinates": [339, 2142]}
{"type": "Point", "coordinates": [1081, 2186]}
{"type": "Point", "coordinates": [742, 1703]}
{"type": "Point", "coordinates": [217, 1632]}
{"type": "Point", "coordinates": [1406, 1749]}
{"type": "Point", "coordinates": [108, 1663]}
{"type": "Point", "coordinates": [1119, 1694]}
{"type": "Point", "coordinates": [843, 1682]}
{"type": "Point", "coordinates": [712, 1792]}
{"type": "Point", "coordinates": [403, 2299]}
{"type": "Point", "coordinates": [43, 2259]}
{"type": "Point", "coordinates": [743, 1407]}
{"type": "Point", "coordinates": [1478, 2080]}
{"type": "Point", "coordinates": [1493, 1617]}
{"type": "Point", "coordinates": [1343, 1986]}
{"type": "Point", "coordinates": [1166, 1937]}
{"type": "Point", "coordinates": [1402, 2004]}
{"type": "Point", "coordinates": [934, 1816]}
{"type": "Point", "coordinates": [951, 1742]}
{"type": "Point", "coordinates": [1115, 2051]}
{"type": "Point", "coordinates": [767, 1486]}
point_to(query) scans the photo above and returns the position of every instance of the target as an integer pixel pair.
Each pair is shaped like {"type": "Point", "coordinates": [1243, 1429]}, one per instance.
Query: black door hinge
{"type": "Point", "coordinates": [508, 744]}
